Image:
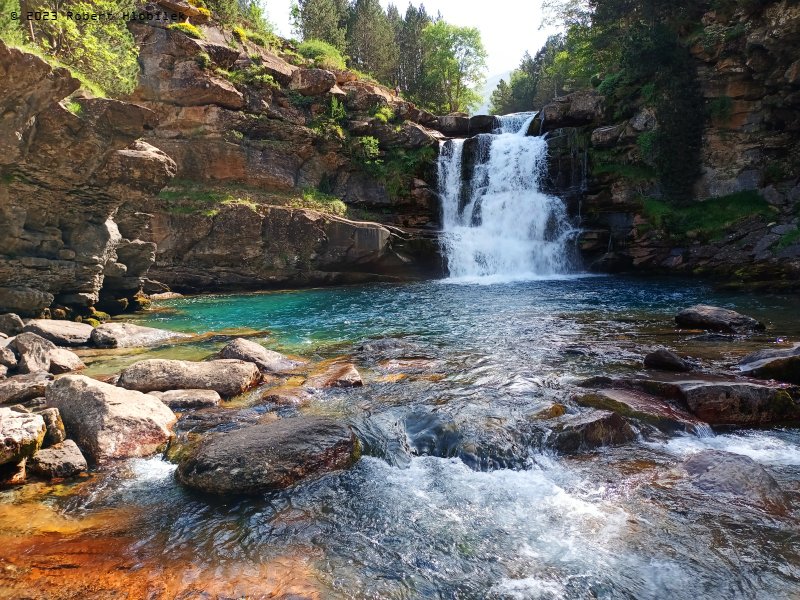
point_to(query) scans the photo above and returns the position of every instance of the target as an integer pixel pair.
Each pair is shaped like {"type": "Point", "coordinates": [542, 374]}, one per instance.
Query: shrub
{"type": "Point", "coordinates": [188, 29]}
{"type": "Point", "coordinates": [323, 54]}
{"type": "Point", "coordinates": [367, 149]}
{"type": "Point", "coordinates": [239, 33]}
{"type": "Point", "coordinates": [384, 114]}
{"type": "Point", "coordinates": [203, 60]}
{"type": "Point", "coordinates": [74, 107]}
{"type": "Point", "coordinates": [318, 200]}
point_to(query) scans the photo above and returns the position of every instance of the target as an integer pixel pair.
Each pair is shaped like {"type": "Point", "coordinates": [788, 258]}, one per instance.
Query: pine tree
{"type": "Point", "coordinates": [324, 20]}
{"type": "Point", "coordinates": [372, 47]}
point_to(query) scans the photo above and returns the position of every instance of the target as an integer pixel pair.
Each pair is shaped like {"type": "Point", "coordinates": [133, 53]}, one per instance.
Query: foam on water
{"type": "Point", "coordinates": [764, 447]}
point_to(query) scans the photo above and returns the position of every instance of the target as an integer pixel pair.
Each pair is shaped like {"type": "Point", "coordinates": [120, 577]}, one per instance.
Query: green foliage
{"type": "Point", "coordinates": [371, 41]}
{"type": "Point", "coordinates": [366, 149]}
{"type": "Point", "coordinates": [239, 33]}
{"type": "Point", "coordinates": [336, 110]}
{"type": "Point", "coordinates": [204, 61]}
{"type": "Point", "coordinates": [454, 66]}
{"type": "Point", "coordinates": [384, 114]}
{"type": "Point", "coordinates": [323, 54]}
{"type": "Point", "coordinates": [188, 29]}
{"type": "Point", "coordinates": [323, 20]}
{"type": "Point", "coordinates": [706, 220]}
{"type": "Point", "coordinates": [318, 200]}
{"type": "Point", "coordinates": [647, 143]}
{"type": "Point", "coordinates": [254, 75]}
{"type": "Point", "coordinates": [298, 100]}
{"type": "Point", "coordinates": [75, 107]}
{"type": "Point", "coordinates": [788, 239]}
{"type": "Point", "coordinates": [100, 53]}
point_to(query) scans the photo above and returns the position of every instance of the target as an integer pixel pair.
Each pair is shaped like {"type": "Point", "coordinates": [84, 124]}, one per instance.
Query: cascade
{"type": "Point", "coordinates": [497, 222]}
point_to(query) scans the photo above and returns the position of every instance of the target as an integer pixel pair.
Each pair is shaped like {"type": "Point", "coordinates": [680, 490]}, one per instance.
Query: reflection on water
{"type": "Point", "coordinates": [476, 362]}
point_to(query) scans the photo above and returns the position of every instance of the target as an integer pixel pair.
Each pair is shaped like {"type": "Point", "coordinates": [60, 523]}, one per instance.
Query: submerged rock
{"type": "Point", "coordinates": [573, 433]}
{"type": "Point", "coordinates": [269, 457]}
{"type": "Point", "coordinates": [226, 377]}
{"type": "Point", "coordinates": [21, 435]}
{"type": "Point", "coordinates": [342, 375]}
{"type": "Point", "coordinates": [781, 365]}
{"type": "Point", "coordinates": [702, 316]}
{"type": "Point", "coordinates": [61, 333]}
{"type": "Point", "coordinates": [21, 388]}
{"type": "Point", "coordinates": [108, 421]}
{"type": "Point", "coordinates": [181, 399]}
{"type": "Point", "coordinates": [728, 474]}
{"type": "Point", "coordinates": [61, 460]}
{"type": "Point", "coordinates": [665, 360]}
{"type": "Point", "coordinates": [128, 335]}
{"type": "Point", "coordinates": [642, 406]}
{"type": "Point", "coordinates": [267, 361]}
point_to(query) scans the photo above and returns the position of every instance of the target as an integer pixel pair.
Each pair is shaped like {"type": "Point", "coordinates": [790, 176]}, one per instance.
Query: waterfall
{"type": "Point", "coordinates": [497, 223]}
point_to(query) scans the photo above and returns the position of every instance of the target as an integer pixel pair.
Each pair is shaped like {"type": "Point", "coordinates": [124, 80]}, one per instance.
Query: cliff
{"type": "Point", "coordinates": [742, 221]}
{"type": "Point", "coordinates": [280, 174]}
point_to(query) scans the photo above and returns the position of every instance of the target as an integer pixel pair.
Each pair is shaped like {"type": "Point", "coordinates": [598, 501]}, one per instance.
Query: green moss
{"type": "Point", "coordinates": [318, 200]}
{"type": "Point", "coordinates": [706, 220]}
{"type": "Point", "coordinates": [75, 107]}
{"type": "Point", "coordinates": [788, 239]}
{"type": "Point", "coordinates": [188, 29]}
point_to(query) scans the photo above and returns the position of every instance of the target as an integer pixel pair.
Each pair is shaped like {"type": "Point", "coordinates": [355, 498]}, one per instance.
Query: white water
{"type": "Point", "coordinates": [508, 229]}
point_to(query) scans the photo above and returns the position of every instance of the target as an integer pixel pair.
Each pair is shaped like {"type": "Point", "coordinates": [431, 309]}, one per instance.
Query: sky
{"type": "Point", "coordinates": [508, 27]}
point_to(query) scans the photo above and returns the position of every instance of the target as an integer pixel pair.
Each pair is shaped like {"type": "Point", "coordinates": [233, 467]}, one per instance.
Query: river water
{"type": "Point", "coordinates": [449, 500]}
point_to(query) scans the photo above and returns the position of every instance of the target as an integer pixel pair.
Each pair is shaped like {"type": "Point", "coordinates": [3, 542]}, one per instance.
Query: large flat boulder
{"type": "Point", "coordinates": [574, 433]}
{"type": "Point", "coordinates": [266, 360]}
{"type": "Point", "coordinates": [735, 476]}
{"type": "Point", "coordinates": [61, 460]}
{"type": "Point", "coordinates": [269, 457]}
{"type": "Point", "coordinates": [128, 335]}
{"type": "Point", "coordinates": [777, 364]}
{"type": "Point", "coordinates": [226, 377]}
{"type": "Point", "coordinates": [713, 318]}
{"type": "Point", "coordinates": [21, 435]}
{"type": "Point", "coordinates": [738, 403]}
{"type": "Point", "coordinates": [644, 407]}
{"type": "Point", "coordinates": [110, 422]}
{"type": "Point", "coordinates": [61, 333]}
{"type": "Point", "coordinates": [22, 388]}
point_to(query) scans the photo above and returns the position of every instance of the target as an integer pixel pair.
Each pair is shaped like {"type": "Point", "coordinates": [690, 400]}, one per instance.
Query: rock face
{"type": "Point", "coordinates": [643, 407]}
{"type": "Point", "coordinates": [128, 335]}
{"type": "Point", "coordinates": [714, 318]}
{"type": "Point", "coordinates": [85, 164]}
{"type": "Point", "coordinates": [226, 377]}
{"type": "Point", "coordinates": [781, 365]}
{"type": "Point", "coordinates": [110, 422]}
{"type": "Point", "coordinates": [737, 476]}
{"type": "Point", "coordinates": [61, 333]}
{"type": "Point", "coordinates": [61, 460]}
{"type": "Point", "coordinates": [183, 399]}
{"type": "Point", "coordinates": [572, 433]}
{"type": "Point", "coordinates": [271, 457]}
{"type": "Point", "coordinates": [312, 82]}
{"type": "Point", "coordinates": [21, 435]}
{"type": "Point", "coordinates": [268, 361]}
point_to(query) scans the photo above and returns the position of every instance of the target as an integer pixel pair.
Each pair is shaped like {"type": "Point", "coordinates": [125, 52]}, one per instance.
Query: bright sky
{"type": "Point", "coordinates": [508, 27]}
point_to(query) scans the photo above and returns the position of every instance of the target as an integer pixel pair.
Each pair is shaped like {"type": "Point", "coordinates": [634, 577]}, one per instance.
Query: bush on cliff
{"type": "Point", "coordinates": [323, 54]}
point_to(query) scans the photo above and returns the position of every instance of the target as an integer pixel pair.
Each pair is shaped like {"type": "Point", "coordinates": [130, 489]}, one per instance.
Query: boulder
{"type": "Point", "coordinates": [606, 137]}
{"type": "Point", "coordinates": [482, 124]}
{"type": "Point", "coordinates": [11, 324]}
{"type": "Point", "coordinates": [734, 475]}
{"type": "Point", "coordinates": [226, 377]}
{"type": "Point", "coordinates": [778, 364]}
{"type": "Point", "coordinates": [453, 125]}
{"type": "Point", "coordinates": [61, 333]}
{"type": "Point", "coordinates": [714, 318]}
{"type": "Point", "coordinates": [342, 375]}
{"type": "Point", "coordinates": [62, 460]}
{"type": "Point", "coordinates": [33, 352]}
{"type": "Point", "coordinates": [183, 399]}
{"type": "Point", "coordinates": [21, 435]}
{"type": "Point", "coordinates": [644, 407]}
{"type": "Point", "coordinates": [574, 433]}
{"type": "Point", "coordinates": [128, 335]}
{"type": "Point", "coordinates": [108, 421]}
{"type": "Point", "coordinates": [312, 82]}
{"type": "Point", "coordinates": [54, 425]}
{"type": "Point", "coordinates": [21, 388]}
{"type": "Point", "coordinates": [64, 361]}
{"type": "Point", "coordinates": [7, 358]}
{"type": "Point", "coordinates": [736, 403]}
{"type": "Point", "coordinates": [269, 457]}
{"type": "Point", "coordinates": [24, 300]}
{"type": "Point", "coordinates": [666, 361]}
{"type": "Point", "coordinates": [267, 361]}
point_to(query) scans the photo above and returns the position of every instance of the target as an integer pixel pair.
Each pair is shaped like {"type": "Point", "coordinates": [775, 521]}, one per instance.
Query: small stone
{"type": "Point", "coordinates": [665, 360]}
{"type": "Point", "coordinates": [183, 399]}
